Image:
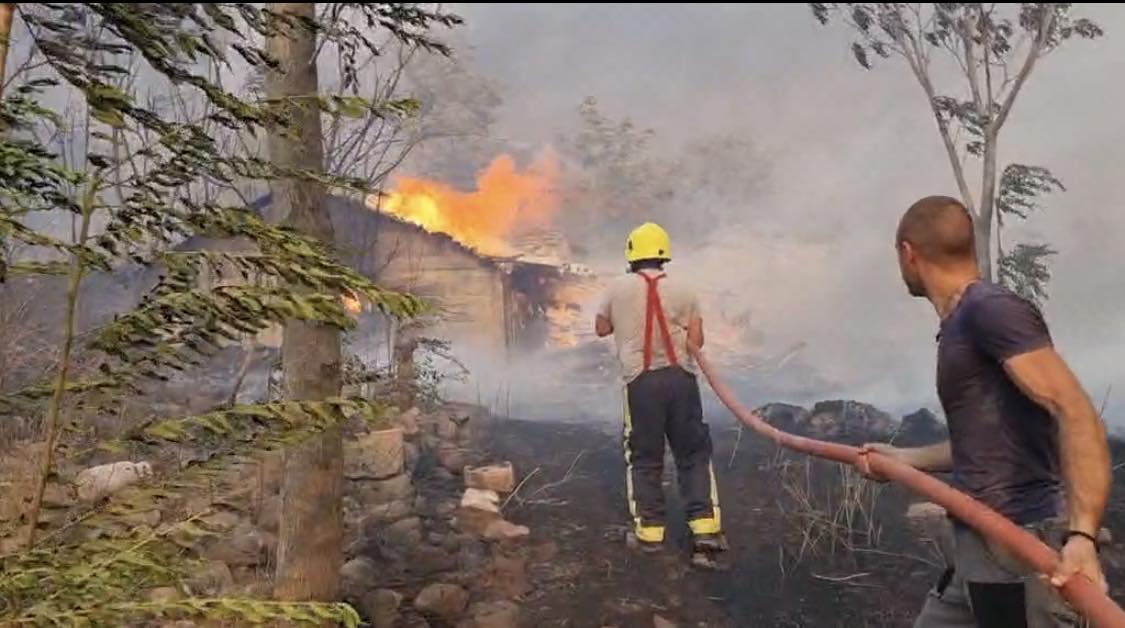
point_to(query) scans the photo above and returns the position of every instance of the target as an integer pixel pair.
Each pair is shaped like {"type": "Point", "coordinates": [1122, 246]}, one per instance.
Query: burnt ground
{"type": "Point", "coordinates": [574, 496]}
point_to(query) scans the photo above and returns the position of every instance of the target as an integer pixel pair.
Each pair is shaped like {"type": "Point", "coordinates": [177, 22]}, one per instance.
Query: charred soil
{"type": "Point", "coordinates": [811, 544]}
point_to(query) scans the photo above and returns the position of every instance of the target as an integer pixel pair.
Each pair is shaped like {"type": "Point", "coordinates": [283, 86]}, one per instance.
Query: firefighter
{"type": "Point", "coordinates": [652, 318]}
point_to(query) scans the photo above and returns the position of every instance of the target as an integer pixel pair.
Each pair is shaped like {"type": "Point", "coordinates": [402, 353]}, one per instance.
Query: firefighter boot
{"type": "Point", "coordinates": [706, 549]}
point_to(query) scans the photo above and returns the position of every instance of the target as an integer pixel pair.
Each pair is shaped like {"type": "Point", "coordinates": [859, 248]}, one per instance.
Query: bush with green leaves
{"type": "Point", "coordinates": [151, 173]}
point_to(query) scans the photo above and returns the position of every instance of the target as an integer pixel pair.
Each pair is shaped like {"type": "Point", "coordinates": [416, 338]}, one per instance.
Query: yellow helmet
{"type": "Point", "coordinates": [648, 241]}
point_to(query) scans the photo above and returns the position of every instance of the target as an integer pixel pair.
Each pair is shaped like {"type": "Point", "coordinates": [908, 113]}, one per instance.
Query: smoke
{"type": "Point", "coordinates": [810, 256]}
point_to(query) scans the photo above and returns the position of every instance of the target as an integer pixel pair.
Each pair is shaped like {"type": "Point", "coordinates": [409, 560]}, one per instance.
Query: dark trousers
{"type": "Point", "coordinates": [659, 404]}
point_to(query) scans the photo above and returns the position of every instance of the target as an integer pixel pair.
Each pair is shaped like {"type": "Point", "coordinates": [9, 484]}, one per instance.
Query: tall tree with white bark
{"type": "Point", "coordinates": [993, 49]}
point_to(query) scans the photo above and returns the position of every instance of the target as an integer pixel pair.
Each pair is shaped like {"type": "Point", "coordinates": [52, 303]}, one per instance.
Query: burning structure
{"type": "Point", "coordinates": [498, 277]}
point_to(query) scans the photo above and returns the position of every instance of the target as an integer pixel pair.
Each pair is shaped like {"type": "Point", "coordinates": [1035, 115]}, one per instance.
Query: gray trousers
{"type": "Point", "coordinates": [986, 587]}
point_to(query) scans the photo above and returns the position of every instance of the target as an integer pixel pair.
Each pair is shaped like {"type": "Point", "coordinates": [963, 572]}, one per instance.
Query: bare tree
{"type": "Point", "coordinates": [994, 49]}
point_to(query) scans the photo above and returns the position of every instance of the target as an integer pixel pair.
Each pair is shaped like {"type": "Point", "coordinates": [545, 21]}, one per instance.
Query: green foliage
{"type": "Point", "coordinates": [148, 174]}
{"type": "Point", "coordinates": [1020, 187]}
{"type": "Point", "coordinates": [1025, 272]}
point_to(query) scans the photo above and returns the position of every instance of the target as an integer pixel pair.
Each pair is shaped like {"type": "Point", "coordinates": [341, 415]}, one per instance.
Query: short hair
{"type": "Point", "coordinates": [939, 228]}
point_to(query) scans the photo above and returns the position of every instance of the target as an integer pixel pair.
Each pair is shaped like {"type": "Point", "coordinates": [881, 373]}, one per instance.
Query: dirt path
{"type": "Point", "coordinates": [575, 497]}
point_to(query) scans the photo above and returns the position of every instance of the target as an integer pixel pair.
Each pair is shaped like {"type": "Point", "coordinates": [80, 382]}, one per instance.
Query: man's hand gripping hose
{"type": "Point", "coordinates": [1086, 597]}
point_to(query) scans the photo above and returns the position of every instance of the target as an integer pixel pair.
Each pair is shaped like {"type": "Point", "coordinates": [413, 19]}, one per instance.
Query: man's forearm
{"type": "Point", "coordinates": [936, 458]}
{"type": "Point", "coordinates": [1085, 464]}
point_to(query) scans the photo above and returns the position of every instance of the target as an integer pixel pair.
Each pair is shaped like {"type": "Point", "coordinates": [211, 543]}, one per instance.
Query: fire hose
{"type": "Point", "coordinates": [1078, 590]}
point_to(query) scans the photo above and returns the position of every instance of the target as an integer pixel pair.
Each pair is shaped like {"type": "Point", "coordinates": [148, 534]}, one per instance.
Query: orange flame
{"type": "Point", "coordinates": [505, 203]}
{"type": "Point", "coordinates": [351, 304]}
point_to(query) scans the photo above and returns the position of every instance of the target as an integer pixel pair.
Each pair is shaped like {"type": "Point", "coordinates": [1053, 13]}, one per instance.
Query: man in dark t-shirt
{"type": "Point", "coordinates": [1024, 438]}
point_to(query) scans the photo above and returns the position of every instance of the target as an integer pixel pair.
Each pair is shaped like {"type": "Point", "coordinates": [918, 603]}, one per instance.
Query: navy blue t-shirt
{"type": "Point", "coordinates": [1005, 446]}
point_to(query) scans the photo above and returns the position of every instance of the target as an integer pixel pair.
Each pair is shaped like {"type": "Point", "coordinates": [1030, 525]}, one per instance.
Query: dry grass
{"type": "Point", "coordinates": [829, 517]}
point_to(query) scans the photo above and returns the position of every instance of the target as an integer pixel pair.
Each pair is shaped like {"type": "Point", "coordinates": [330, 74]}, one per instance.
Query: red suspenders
{"type": "Point", "coordinates": [654, 307]}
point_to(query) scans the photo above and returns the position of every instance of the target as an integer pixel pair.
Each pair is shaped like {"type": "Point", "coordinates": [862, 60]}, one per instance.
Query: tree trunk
{"type": "Point", "coordinates": [7, 9]}
{"type": "Point", "coordinates": [310, 543]}
{"type": "Point", "coordinates": [984, 213]}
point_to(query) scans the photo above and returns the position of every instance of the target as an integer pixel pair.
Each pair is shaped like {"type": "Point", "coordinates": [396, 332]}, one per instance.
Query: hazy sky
{"type": "Point", "coordinates": [848, 150]}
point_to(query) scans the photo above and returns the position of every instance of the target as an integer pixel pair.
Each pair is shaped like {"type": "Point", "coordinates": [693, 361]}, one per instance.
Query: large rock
{"type": "Point", "coordinates": [375, 492]}
{"type": "Point", "coordinates": [446, 601]}
{"type": "Point", "coordinates": [849, 421]}
{"type": "Point", "coordinates": [375, 455]}
{"type": "Point", "coordinates": [380, 607]}
{"type": "Point", "coordinates": [502, 614]}
{"type": "Point", "coordinates": [496, 477]}
{"type": "Point", "coordinates": [921, 428]}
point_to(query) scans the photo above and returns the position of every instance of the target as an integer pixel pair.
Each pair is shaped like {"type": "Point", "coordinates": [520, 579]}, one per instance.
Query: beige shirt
{"type": "Point", "coordinates": [624, 305]}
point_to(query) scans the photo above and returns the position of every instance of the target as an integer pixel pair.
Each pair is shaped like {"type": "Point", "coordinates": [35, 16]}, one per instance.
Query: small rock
{"type": "Point", "coordinates": [452, 458]}
{"type": "Point", "coordinates": [443, 600]}
{"type": "Point", "coordinates": [375, 455]}
{"type": "Point", "coordinates": [475, 521]}
{"type": "Point", "coordinates": [245, 546]}
{"type": "Point", "coordinates": [442, 474]}
{"type": "Point", "coordinates": [451, 543]}
{"type": "Point", "coordinates": [385, 491]}
{"type": "Point", "coordinates": [481, 499]}
{"type": "Point", "coordinates": [150, 518]}
{"type": "Point", "coordinates": [660, 622]}
{"type": "Point", "coordinates": [545, 552]}
{"type": "Point", "coordinates": [446, 509]}
{"type": "Point", "coordinates": [356, 576]}
{"type": "Point", "coordinates": [104, 480]}
{"type": "Point", "coordinates": [211, 580]}
{"type": "Point", "coordinates": [405, 533]}
{"type": "Point", "coordinates": [428, 559]}
{"type": "Point", "coordinates": [163, 595]}
{"type": "Point", "coordinates": [414, 620]}
{"type": "Point", "coordinates": [498, 477]}
{"type": "Point", "coordinates": [472, 555]}
{"type": "Point", "coordinates": [221, 520]}
{"type": "Point", "coordinates": [502, 530]}
{"type": "Point", "coordinates": [408, 422]}
{"type": "Point", "coordinates": [381, 607]}
{"type": "Point", "coordinates": [508, 576]}
{"type": "Point", "coordinates": [925, 510]}
{"type": "Point", "coordinates": [502, 614]}
{"type": "Point", "coordinates": [387, 513]}
{"type": "Point", "coordinates": [410, 456]}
